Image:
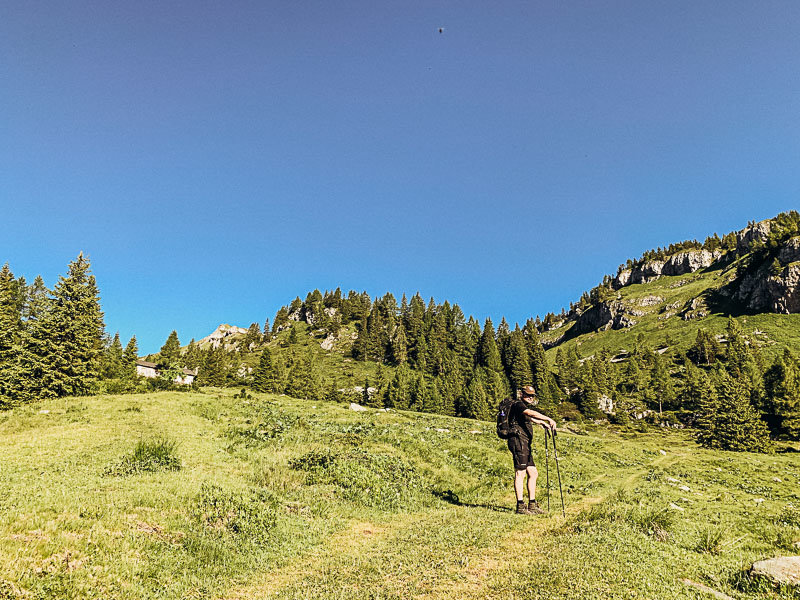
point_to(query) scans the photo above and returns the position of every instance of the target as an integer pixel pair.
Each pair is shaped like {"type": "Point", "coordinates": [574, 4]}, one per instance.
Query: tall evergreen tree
{"type": "Point", "coordinates": [170, 353]}
{"type": "Point", "coordinates": [114, 367]}
{"type": "Point", "coordinates": [400, 345]}
{"type": "Point", "coordinates": [736, 425]}
{"type": "Point", "coordinates": [265, 376]}
{"type": "Point", "coordinates": [10, 333]}
{"type": "Point", "coordinates": [519, 365]}
{"type": "Point", "coordinates": [782, 382]}
{"type": "Point", "coordinates": [77, 325]}
{"type": "Point", "coordinates": [488, 354]}
{"type": "Point", "coordinates": [129, 357]}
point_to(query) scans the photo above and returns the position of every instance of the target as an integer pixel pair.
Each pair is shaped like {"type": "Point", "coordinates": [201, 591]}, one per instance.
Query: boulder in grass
{"type": "Point", "coordinates": [357, 407]}
{"type": "Point", "coordinates": [783, 570]}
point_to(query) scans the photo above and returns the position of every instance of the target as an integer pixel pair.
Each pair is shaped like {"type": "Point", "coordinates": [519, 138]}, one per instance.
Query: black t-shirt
{"type": "Point", "coordinates": [520, 423]}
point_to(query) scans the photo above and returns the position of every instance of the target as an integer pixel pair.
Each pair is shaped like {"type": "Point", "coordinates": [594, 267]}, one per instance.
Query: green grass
{"type": "Point", "coordinates": [282, 498]}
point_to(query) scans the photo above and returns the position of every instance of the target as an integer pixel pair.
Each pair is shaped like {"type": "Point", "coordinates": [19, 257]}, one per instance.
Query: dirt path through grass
{"type": "Point", "coordinates": [367, 554]}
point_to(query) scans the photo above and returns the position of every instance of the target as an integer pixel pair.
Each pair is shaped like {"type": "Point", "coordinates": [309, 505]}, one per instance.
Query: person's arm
{"type": "Point", "coordinates": [540, 419]}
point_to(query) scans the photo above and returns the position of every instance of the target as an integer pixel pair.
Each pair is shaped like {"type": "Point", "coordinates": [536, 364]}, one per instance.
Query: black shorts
{"type": "Point", "coordinates": [520, 447]}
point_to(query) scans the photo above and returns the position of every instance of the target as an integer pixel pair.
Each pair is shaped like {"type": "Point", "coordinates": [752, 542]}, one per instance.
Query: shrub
{"type": "Point", "coordinates": [249, 515]}
{"type": "Point", "coordinates": [569, 411]}
{"type": "Point", "coordinates": [269, 425]}
{"type": "Point", "coordinates": [379, 480]}
{"type": "Point", "coordinates": [148, 456]}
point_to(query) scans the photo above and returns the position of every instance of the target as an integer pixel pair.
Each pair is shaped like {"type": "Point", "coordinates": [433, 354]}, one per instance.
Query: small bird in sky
{"type": "Point", "coordinates": [441, 29]}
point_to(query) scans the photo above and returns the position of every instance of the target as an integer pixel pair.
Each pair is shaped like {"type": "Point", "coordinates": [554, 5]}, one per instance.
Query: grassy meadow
{"type": "Point", "coordinates": [210, 495]}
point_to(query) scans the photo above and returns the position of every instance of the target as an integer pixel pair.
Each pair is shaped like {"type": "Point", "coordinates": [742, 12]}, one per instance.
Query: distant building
{"type": "Point", "coordinates": [150, 370]}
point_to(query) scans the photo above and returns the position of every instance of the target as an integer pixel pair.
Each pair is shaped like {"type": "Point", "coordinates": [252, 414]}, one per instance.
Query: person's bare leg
{"type": "Point", "coordinates": [533, 473]}
{"type": "Point", "coordinates": [519, 484]}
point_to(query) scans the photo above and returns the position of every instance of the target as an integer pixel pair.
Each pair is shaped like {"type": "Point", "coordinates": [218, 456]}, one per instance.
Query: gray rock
{"type": "Point", "coordinates": [622, 279]}
{"type": "Point", "coordinates": [781, 570]}
{"type": "Point", "coordinates": [607, 315]}
{"type": "Point", "coordinates": [357, 407]}
{"type": "Point", "coordinates": [751, 233]}
{"type": "Point", "coordinates": [687, 262]}
{"type": "Point", "coordinates": [790, 251]}
{"type": "Point", "coordinates": [647, 272]}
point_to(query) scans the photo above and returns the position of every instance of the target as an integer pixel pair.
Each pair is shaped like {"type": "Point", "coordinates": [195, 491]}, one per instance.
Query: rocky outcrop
{"type": "Point", "coordinates": [763, 290]}
{"type": "Point", "coordinates": [607, 315]}
{"type": "Point", "coordinates": [752, 233]}
{"type": "Point", "coordinates": [689, 262]}
{"type": "Point", "coordinates": [221, 335]}
{"type": "Point", "coordinates": [790, 251]}
{"type": "Point", "coordinates": [680, 263]}
{"type": "Point", "coordinates": [696, 308]}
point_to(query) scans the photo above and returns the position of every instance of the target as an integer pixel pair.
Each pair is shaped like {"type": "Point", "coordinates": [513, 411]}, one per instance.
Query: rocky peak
{"type": "Point", "coordinates": [221, 335]}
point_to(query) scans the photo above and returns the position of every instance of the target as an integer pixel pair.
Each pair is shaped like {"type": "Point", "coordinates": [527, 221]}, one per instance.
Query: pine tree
{"type": "Point", "coordinates": [253, 337]}
{"type": "Point", "coordinates": [170, 352]}
{"type": "Point", "coordinates": [488, 354]}
{"type": "Point", "coordinates": [476, 401]}
{"type": "Point", "coordinates": [519, 365]}
{"type": "Point", "coordinates": [702, 392]}
{"type": "Point", "coordinates": [661, 388]}
{"type": "Point", "coordinates": [267, 332]}
{"type": "Point", "coordinates": [214, 371]}
{"type": "Point", "coordinates": [265, 375]}
{"type": "Point", "coordinates": [192, 356]}
{"type": "Point", "coordinates": [10, 334]}
{"type": "Point", "coordinates": [400, 345]}
{"type": "Point", "coordinates": [736, 425]}
{"type": "Point", "coordinates": [281, 320]}
{"type": "Point", "coordinates": [782, 382]}
{"type": "Point", "coordinates": [76, 323]}
{"type": "Point", "coordinates": [129, 357]}
{"type": "Point", "coordinates": [114, 366]}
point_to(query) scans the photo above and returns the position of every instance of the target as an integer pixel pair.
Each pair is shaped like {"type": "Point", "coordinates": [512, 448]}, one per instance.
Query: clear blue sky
{"type": "Point", "coordinates": [216, 159]}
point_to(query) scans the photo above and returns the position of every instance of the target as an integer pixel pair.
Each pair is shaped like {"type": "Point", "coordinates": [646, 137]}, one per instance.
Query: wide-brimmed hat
{"type": "Point", "coordinates": [528, 390]}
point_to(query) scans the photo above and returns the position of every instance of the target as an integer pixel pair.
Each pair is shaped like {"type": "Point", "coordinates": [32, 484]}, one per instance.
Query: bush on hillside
{"type": "Point", "coordinates": [249, 515]}
{"type": "Point", "coordinates": [378, 480]}
{"type": "Point", "coordinates": [148, 456]}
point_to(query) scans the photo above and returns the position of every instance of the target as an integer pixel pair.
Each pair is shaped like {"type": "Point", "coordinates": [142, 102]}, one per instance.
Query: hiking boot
{"type": "Point", "coordinates": [522, 509]}
{"type": "Point", "coordinates": [534, 508]}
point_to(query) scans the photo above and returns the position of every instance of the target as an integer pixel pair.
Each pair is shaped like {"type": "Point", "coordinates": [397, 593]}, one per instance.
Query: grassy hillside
{"type": "Point", "coordinates": [281, 498]}
{"type": "Point", "coordinates": [659, 304]}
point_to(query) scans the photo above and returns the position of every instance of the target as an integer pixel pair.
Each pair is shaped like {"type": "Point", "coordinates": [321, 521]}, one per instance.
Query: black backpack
{"type": "Point", "coordinates": [505, 429]}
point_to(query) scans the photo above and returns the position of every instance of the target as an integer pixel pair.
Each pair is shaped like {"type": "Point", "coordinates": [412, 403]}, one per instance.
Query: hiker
{"type": "Point", "coordinates": [520, 419]}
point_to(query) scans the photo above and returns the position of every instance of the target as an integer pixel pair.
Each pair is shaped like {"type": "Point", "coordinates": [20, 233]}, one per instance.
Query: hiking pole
{"type": "Point", "coordinates": [558, 470]}
{"type": "Point", "coordinates": [547, 464]}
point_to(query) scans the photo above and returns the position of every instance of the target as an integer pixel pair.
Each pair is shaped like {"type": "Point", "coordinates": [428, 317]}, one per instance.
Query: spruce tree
{"type": "Point", "coordinates": [10, 334]}
{"type": "Point", "coordinates": [782, 382]}
{"type": "Point", "coordinates": [400, 345]}
{"type": "Point", "coordinates": [519, 365]}
{"type": "Point", "coordinates": [113, 367]}
{"type": "Point", "coordinates": [192, 356]}
{"type": "Point", "coordinates": [488, 354]}
{"type": "Point", "coordinates": [736, 425]}
{"type": "Point", "coordinates": [170, 353]}
{"type": "Point", "coordinates": [476, 401]}
{"type": "Point", "coordinates": [129, 357]}
{"type": "Point", "coordinates": [265, 375]}
{"type": "Point", "coordinates": [77, 327]}
{"type": "Point", "coordinates": [661, 388]}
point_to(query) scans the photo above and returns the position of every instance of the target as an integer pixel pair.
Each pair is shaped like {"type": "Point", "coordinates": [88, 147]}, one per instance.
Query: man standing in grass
{"type": "Point", "coordinates": [520, 420]}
